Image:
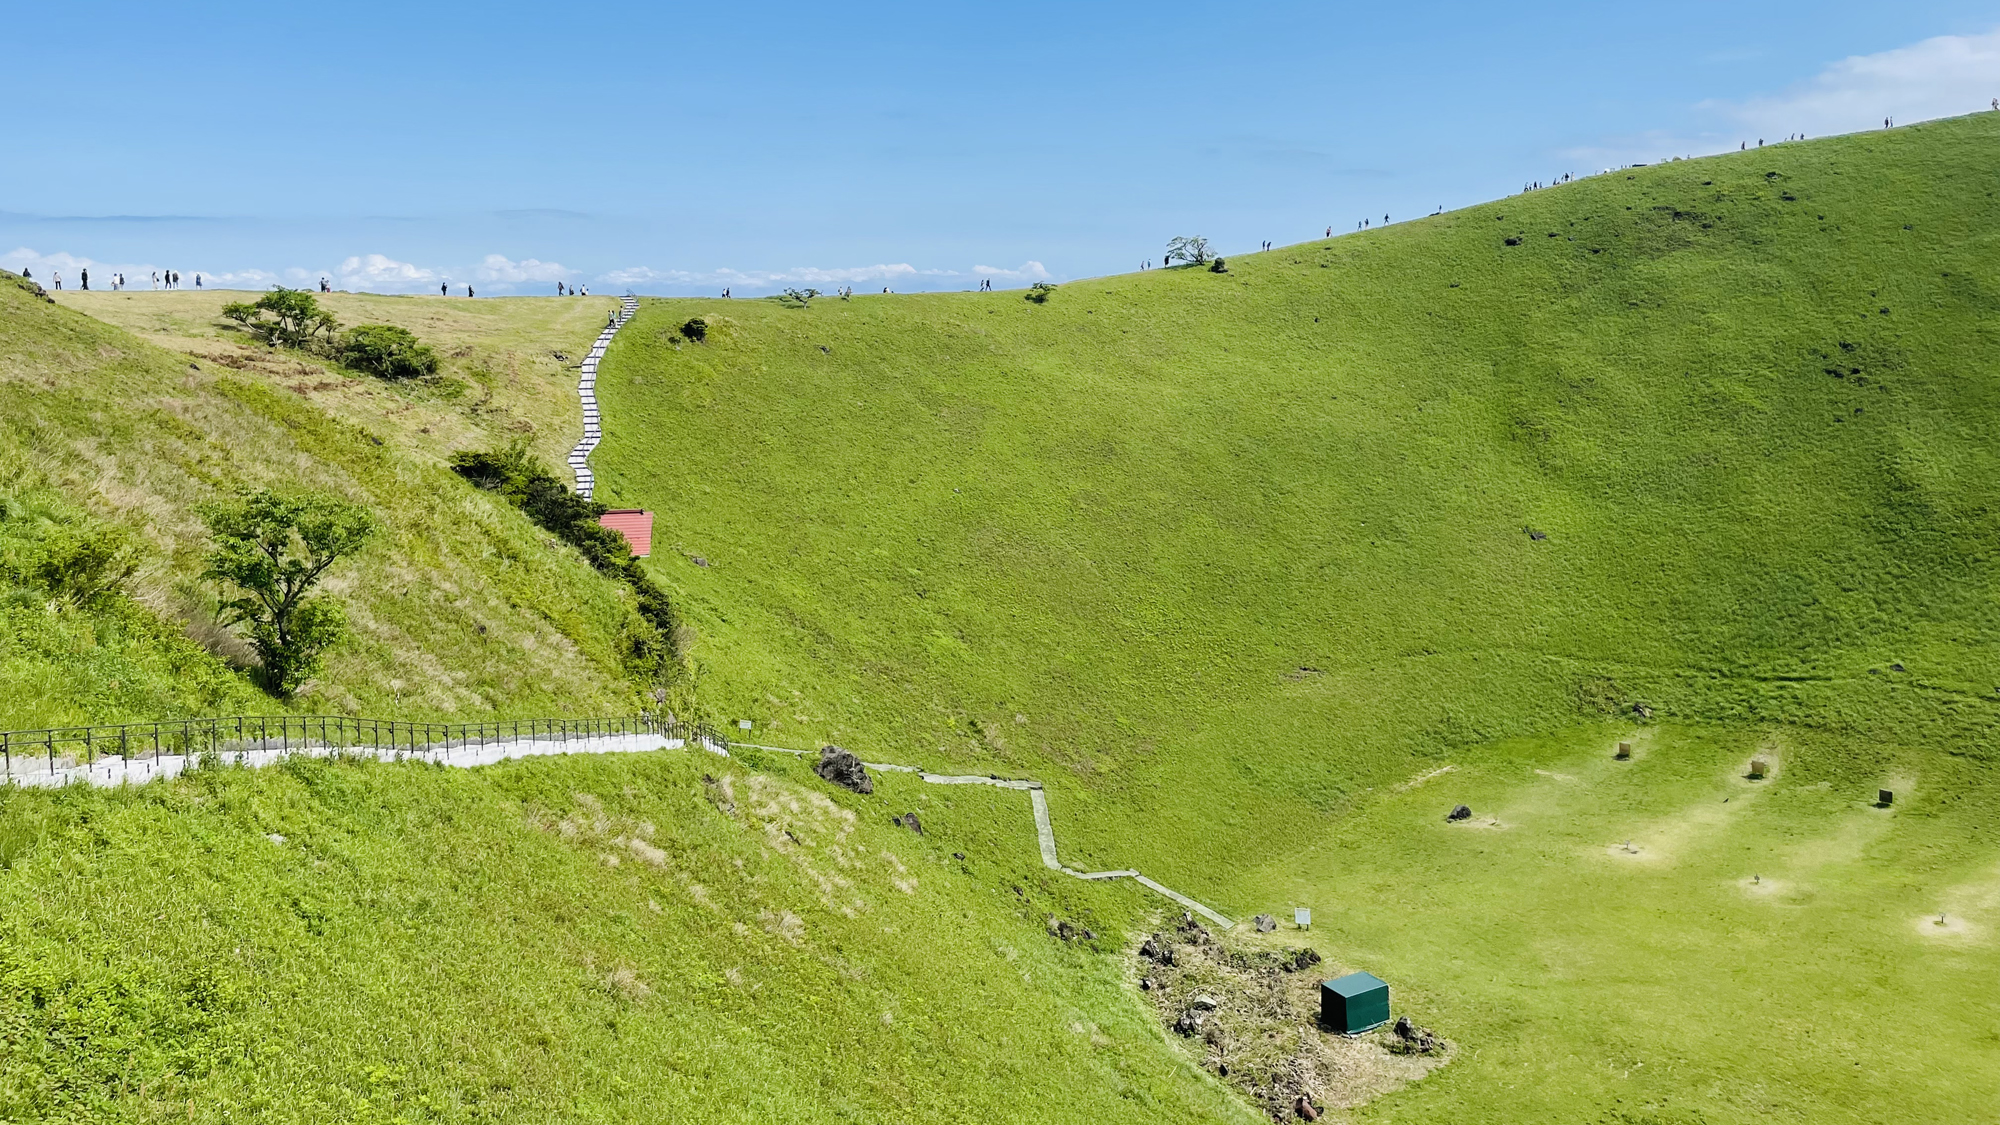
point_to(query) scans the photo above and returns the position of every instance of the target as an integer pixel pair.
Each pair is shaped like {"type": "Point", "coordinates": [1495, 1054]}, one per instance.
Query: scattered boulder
{"type": "Point", "coordinates": [843, 769]}
{"type": "Point", "coordinates": [1302, 1105]}
{"type": "Point", "coordinates": [1146, 984]}
{"type": "Point", "coordinates": [1459, 812]}
{"type": "Point", "coordinates": [1194, 931]}
{"type": "Point", "coordinates": [1411, 1039]}
{"type": "Point", "coordinates": [1537, 536]}
{"type": "Point", "coordinates": [1063, 930]}
{"type": "Point", "coordinates": [958, 856]}
{"type": "Point", "coordinates": [1205, 1003]}
{"type": "Point", "coordinates": [1265, 923]}
{"type": "Point", "coordinates": [698, 560]}
{"type": "Point", "coordinates": [909, 820]}
{"type": "Point", "coordinates": [1642, 710]}
{"type": "Point", "coordinates": [1189, 1023]}
{"type": "Point", "coordinates": [1153, 949]}
{"type": "Point", "coordinates": [1301, 960]}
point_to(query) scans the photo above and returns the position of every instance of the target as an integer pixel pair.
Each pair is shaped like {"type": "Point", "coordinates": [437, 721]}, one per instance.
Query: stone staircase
{"type": "Point", "coordinates": [586, 389]}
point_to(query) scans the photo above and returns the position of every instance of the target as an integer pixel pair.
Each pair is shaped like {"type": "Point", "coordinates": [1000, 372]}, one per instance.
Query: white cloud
{"type": "Point", "coordinates": [1940, 77]}
{"type": "Point", "coordinates": [893, 275]}
{"type": "Point", "coordinates": [497, 268]}
{"type": "Point", "coordinates": [381, 272]}
{"type": "Point", "coordinates": [138, 275]}
{"type": "Point", "coordinates": [1029, 271]}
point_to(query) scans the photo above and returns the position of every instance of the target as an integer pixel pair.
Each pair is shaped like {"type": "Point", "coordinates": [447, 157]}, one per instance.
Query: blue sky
{"type": "Point", "coordinates": [683, 148]}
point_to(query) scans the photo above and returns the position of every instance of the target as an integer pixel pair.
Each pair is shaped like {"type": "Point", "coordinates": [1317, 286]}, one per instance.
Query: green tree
{"type": "Point", "coordinates": [291, 317]}
{"type": "Point", "coordinates": [387, 351]}
{"type": "Point", "coordinates": [1187, 248]}
{"type": "Point", "coordinates": [270, 550]}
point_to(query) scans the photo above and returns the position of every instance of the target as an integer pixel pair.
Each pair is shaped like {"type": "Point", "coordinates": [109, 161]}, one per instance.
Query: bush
{"type": "Point", "coordinates": [695, 329]}
{"type": "Point", "coordinates": [1039, 292]}
{"type": "Point", "coordinates": [388, 352]}
{"type": "Point", "coordinates": [1218, 266]}
{"type": "Point", "coordinates": [291, 317]}
{"type": "Point", "coordinates": [652, 652]}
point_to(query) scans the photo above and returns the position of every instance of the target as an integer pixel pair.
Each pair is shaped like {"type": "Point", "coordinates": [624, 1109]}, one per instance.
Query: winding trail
{"type": "Point", "coordinates": [1045, 833]}
{"type": "Point", "coordinates": [586, 389]}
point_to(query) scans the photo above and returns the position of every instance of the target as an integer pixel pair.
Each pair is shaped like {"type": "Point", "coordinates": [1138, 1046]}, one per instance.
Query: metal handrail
{"type": "Point", "coordinates": [243, 733]}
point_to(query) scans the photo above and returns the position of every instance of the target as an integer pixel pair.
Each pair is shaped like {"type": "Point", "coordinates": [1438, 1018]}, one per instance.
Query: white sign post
{"type": "Point", "coordinates": [1302, 917]}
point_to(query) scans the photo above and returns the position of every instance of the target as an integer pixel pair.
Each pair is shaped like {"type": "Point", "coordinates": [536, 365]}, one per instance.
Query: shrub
{"type": "Point", "coordinates": [695, 329]}
{"type": "Point", "coordinates": [388, 352]}
{"type": "Point", "coordinates": [1039, 292]}
{"type": "Point", "coordinates": [291, 317]}
{"type": "Point", "coordinates": [1218, 266]}
{"type": "Point", "coordinates": [654, 652]}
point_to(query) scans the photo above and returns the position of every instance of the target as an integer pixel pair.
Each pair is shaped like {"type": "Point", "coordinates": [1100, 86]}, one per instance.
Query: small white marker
{"type": "Point", "coordinates": [1302, 917]}
{"type": "Point", "coordinates": [743, 724]}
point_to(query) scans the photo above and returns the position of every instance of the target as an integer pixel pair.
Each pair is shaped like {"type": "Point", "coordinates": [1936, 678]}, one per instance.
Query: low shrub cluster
{"type": "Point", "coordinates": [293, 318]}
{"type": "Point", "coordinates": [655, 651]}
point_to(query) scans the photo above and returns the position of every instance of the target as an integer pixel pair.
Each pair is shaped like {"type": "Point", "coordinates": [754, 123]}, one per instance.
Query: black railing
{"type": "Point", "coordinates": [70, 747]}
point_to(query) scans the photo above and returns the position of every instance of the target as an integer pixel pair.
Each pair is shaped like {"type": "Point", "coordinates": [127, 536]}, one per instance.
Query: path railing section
{"type": "Point", "coordinates": [56, 748]}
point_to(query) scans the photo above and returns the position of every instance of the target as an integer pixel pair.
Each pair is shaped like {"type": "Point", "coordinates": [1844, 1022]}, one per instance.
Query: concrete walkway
{"type": "Point", "coordinates": [111, 770]}
{"type": "Point", "coordinates": [1045, 832]}
{"type": "Point", "coordinates": [586, 389]}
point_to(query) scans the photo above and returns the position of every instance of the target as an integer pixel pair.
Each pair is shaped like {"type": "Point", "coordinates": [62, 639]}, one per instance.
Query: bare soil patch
{"type": "Point", "coordinates": [1250, 1014]}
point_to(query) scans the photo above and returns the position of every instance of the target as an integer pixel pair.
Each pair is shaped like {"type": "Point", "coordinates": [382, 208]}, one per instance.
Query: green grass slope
{"type": "Point", "coordinates": [1241, 564]}
{"type": "Point", "coordinates": [1227, 549]}
{"type": "Point", "coordinates": [624, 938]}
{"type": "Point", "coordinates": [461, 609]}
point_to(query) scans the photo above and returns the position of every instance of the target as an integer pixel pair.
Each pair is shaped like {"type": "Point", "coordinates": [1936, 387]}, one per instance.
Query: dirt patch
{"type": "Point", "coordinates": [1249, 1012]}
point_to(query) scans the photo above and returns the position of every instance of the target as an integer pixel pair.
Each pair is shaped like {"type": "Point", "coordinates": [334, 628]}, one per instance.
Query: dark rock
{"type": "Point", "coordinates": [697, 560]}
{"type": "Point", "coordinates": [1411, 1039]}
{"type": "Point", "coordinates": [1065, 931]}
{"type": "Point", "coordinates": [1265, 923]}
{"type": "Point", "coordinates": [1145, 984]}
{"type": "Point", "coordinates": [1152, 949]}
{"type": "Point", "coordinates": [1194, 931]}
{"type": "Point", "coordinates": [1301, 960]}
{"type": "Point", "coordinates": [843, 769]}
{"type": "Point", "coordinates": [1189, 1022]}
{"type": "Point", "coordinates": [1895, 667]}
{"type": "Point", "coordinates": [1089, 935]}
{"type": "Point", "coordinates": [908, 820]}
{"type": "Point", "coordinates": [958, 855]}
{"type": "Point", "coordinates": [1537, 536]}
{"type": "Point", "coordinates": [1206, 1003]}
{"type": "Point", "coordinates": [1459, 812]}
{"type": "Point", "coordinates": [1303, 1106]}
{"type": "Point", "coordinates": [1510, 242]}
{"type": "Point", "coordinates": [1642, 710]}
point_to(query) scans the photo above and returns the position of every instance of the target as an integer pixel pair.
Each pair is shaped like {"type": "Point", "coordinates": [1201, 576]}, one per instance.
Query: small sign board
{"type": "Point", "coordinates": [1302, 917]}
{"type": "Point", "coordinates": [743, 724]}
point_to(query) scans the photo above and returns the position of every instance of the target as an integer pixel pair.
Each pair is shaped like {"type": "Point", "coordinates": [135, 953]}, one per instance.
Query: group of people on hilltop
{"type": "Point", "coordinates": [172, 279]}
{"type": "Point", "coordinates": [572, 290]}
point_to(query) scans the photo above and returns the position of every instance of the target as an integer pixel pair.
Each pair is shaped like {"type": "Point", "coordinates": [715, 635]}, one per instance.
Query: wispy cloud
{"type": "Point", "coordinates": [1940, 77]}
{"type": "Point", "coordinates": [753, 282]}
{"type": "Point", "coordinates": [496, 268]}
{"type": "Point", "coordinates": [383, 273]}
{"type": "Point", "coordinates": [138, 275]}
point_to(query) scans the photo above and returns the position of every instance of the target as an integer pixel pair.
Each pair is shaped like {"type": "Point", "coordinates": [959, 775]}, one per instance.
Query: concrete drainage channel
{"type": "Point", "coordinates": [586, 389]}
{"type": "Point", "coordinates": [1045, 833]}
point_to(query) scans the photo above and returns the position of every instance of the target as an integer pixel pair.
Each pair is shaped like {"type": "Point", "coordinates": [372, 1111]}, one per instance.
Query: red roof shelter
{"type": "Point", "coordinates": [635, 524]}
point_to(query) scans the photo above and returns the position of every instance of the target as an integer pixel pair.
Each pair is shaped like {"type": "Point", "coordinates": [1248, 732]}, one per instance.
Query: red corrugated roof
{"type": "Point", "coordinates": [635, 524]}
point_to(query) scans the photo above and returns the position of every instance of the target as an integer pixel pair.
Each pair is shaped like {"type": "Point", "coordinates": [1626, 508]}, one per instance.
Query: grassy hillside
{"type": "Point", "coordinates": [461, 609]}
{"type": "Point", "coordinates": [1701, 456]}
{"type": "Point", "coordinates": [625, 938]}
{"type": "Point", "coordinates": [1228, 548]}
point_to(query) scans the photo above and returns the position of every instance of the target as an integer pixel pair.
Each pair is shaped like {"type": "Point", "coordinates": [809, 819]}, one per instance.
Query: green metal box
{"type": "Point", "coordinates": [1355, 1003]}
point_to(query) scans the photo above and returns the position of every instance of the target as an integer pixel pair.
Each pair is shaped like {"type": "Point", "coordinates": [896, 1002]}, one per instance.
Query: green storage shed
{"type": "Point", "coordinates": [1355, 1003]}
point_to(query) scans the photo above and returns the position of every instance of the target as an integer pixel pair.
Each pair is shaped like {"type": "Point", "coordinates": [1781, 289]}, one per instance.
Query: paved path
{"type": "Point", "coordinates": [586, 389]}
{"type": "Point", "coordinates": [111, 770]}
{"type": "Point", "coordinates": [1045, 833]}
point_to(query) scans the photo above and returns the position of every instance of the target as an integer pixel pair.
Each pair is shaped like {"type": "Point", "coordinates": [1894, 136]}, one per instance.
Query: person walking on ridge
{"type": "Point", "coordinates": [86, 279]}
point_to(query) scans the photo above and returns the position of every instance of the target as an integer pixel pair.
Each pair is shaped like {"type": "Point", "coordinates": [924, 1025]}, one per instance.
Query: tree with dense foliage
{"type": "Point", "coordinates": [270, 550]}
{"type": "Point", "coordinates": [388, 352]}
{"type": "Point", "coordinates": [1187, 248]}
{"type": "Point", "coordinates": [291, 317]}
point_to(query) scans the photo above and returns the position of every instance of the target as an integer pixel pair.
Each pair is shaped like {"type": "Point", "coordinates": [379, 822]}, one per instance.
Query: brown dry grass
{"type": "Point", "coordinates": [1263, 1036]}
